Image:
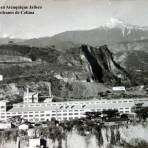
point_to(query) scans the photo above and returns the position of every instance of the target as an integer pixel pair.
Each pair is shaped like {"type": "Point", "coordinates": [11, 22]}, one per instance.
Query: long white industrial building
{"type": "Point", "coordinates": [34, 111]}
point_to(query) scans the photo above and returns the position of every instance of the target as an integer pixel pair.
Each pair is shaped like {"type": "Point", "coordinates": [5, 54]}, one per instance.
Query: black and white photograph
{"type": "Point", "coordinates": [73, 73]}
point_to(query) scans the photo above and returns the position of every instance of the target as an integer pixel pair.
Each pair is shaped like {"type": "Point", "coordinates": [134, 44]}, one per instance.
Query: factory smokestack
{"type": "Point", "coordinates": [27, 93]}
{"type": "Point", "coordinates": [49, 85]}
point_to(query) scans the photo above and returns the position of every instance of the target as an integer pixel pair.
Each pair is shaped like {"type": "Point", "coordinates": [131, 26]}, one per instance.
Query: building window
{"type": "Point", "coordinates": [42, 115]}
{"type": "Point", "coordinates": [75, 113]}
{"type": "Point", "coordinates": [30, 115]}
{"type": "Point", "coordinates": [47, 114]}
{"type": "Point", "coordinates": [70, 113]}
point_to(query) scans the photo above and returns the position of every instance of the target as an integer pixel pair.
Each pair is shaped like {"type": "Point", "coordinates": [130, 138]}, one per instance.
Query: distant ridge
{"type": "Point", "coordinates": [113, 32]}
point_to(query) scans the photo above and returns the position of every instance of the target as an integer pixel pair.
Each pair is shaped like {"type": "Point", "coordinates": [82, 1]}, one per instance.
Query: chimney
{"type": "Point", "coordinates": [27, 93]}
{"type": "Point", "coordinates": [49, 85]}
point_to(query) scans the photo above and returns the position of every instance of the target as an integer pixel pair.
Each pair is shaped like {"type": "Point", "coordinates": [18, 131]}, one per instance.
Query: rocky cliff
{"type": "Point", "coordinates": [102, 63]}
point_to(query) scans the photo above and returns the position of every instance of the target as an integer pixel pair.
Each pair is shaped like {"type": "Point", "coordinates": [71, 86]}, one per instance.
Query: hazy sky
{"type": "Point", "coordinates": [62, 15]}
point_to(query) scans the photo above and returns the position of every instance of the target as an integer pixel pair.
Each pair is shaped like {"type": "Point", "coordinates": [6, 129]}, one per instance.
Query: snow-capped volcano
{"type": "Point", "coordinates": [125, 27]}
{"type": "Point", "coordinates": [115, 22]}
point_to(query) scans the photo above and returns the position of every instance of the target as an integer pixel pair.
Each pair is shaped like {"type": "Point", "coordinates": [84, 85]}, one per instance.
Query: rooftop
{"type": "Point", "coordinates": [48, 107]}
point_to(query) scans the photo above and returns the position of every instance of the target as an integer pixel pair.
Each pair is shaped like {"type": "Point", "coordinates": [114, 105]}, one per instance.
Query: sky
{"type": "Point", "coordinates": [57, 16]}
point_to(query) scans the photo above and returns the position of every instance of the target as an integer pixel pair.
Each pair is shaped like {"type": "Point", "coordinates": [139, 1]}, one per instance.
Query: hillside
{"type": "Point", "coordinates": [81, 72]}
{"type": "Point", "coordinates": [83, 58]}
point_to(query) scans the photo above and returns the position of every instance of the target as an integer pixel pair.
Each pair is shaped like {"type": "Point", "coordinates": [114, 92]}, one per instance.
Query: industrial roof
{"type": "Point", "coordinates": [72, 107]}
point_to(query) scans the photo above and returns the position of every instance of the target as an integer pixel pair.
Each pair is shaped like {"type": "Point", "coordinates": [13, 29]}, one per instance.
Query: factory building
{"type": "Point", "coordinates": [67, 110]}
{"type": "Point", "coordinates": [34, 111]}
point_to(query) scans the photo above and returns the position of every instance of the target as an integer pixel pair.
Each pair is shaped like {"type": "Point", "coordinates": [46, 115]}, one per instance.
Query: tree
{"type": "Point", "coordinates": [124, 117]}
{"type": "Point", "coordinates": [111, 113]}
{"type": "Point", "coordinates": [142, 113]}
{"type": "Point", "coordinates": [93, 115]}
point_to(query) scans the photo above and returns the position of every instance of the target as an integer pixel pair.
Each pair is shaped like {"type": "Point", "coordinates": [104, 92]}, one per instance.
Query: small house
{"type": "Point", "coordinates": [119, 89]}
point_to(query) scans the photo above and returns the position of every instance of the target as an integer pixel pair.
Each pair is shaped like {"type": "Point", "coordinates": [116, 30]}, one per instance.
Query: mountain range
{"type": "Point", "coordinates": [128, 43]}
{"type": "Point", "coordinates": [114, 32]}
